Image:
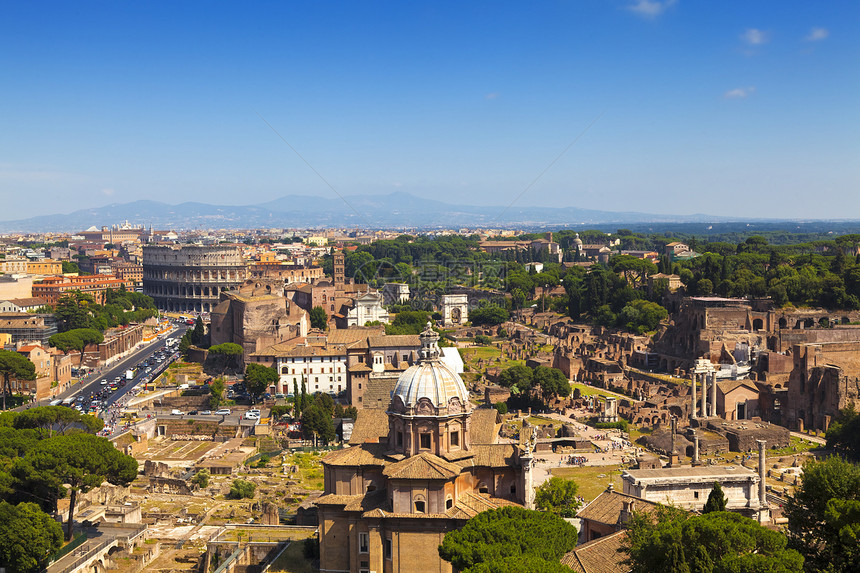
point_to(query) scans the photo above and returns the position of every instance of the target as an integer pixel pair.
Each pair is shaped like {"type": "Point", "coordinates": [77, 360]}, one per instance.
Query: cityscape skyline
{"type": "Point", "coordinates": [656, 107]}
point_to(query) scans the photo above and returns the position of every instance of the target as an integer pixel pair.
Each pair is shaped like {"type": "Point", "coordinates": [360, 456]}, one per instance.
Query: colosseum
{"type": "Point", "coordinates": [189, 278]}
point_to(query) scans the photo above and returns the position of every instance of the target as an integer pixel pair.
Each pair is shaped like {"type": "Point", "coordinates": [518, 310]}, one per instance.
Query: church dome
{"type": "Point", "coordinates": [430, 379]}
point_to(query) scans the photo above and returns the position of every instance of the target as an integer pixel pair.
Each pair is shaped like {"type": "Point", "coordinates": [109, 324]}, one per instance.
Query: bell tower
{"type": "Point", "coordinates": [338, 270]}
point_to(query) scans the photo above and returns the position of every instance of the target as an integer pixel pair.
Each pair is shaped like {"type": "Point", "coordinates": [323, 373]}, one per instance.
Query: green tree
{"type": "Point", "coordinates": [81, 461]}
{"type": "Point", "coordinates": [559, 496]}
{"type": "Point", "coordinates": [843, 435]}
{"type": "Point", "coordinates": [258, 378]}
{"type": "Point", "coordinates": [241, 489]}
{"type": "Point", "coordinates": [673, 540]}
{"type": "Point", "coordinates": [17, 366]}
{"type": "Point", "coordinates": [201, 478]}
{"type": "Point", "coordinates": [227, 356]}
{"type": "Point", "coordinates": [716, 499]}
{"type": "Point", "coordinates": [198, 333]}
{"type": "Point", "coordinates": [552, 382]}
{"type": "Point", "coordinates": [28, 536]}
{"type": "Point", "coordinates": [76, 339]}
{"type": "Point", "coordinates": [815, 525]}
{"type": "Point", "coordinates": [518, 378]}
{"type": "Point", "coordinates": [490, 314]}
{"type": "Point", "coordinates": [73, 310]}
{"type": "Point", "coordinates": [315, 422]}
{"type": "Point", "coordinates": [57, 420]}
{"type": "Point", "coordinates": [509, 539]}
{"type": "Point", "coordinates": [216, 393]}
{"type": "Point", "coordinates": [318, 318]}
{"type": "Point", "coordinates": [70, 267]}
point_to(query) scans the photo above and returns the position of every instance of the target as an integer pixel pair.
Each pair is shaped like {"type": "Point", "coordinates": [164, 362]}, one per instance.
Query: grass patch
{"type": "Point", "coordinates": [590, 485]}
{"type": "Point", "coordinates": [795, 446]}
{"type": "Point", "coordinates": [586, 390]}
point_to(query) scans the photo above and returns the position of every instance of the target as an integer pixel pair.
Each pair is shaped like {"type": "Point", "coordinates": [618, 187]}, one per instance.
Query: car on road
{"type": "Point", "coordinates": [205, 412]}
{"type": "Point", "coordinates": [252, 416]}
{"type": "Point", "coordinates": [177, 413]}
{"type": "Point", "coordinates": [223, 412]}
{"type": "Point", "coordinates": [103, 382]}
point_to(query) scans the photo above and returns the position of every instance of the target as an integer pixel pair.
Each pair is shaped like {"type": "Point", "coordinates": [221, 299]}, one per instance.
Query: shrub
{"type": "Point", "coordinates": [242, 489]}
{"type": "Point", "coordinates": [201, 478]}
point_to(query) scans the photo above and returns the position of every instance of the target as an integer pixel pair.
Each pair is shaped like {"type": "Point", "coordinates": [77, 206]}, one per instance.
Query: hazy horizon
{"type": "Point", "coordinates": [669, 106]}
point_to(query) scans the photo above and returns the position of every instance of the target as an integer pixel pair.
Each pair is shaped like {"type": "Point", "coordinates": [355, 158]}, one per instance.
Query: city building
{"type": "Point", "coordinates": [26, 327]}
{"type": "Point", "coordinates": [52, 289]}
{"type": "Point", "coordinates": [395, 293]}
{"type": "Point", "coordinates": [190, 278]}
{"type": "Point", "coordinates": [390, 498]}
{"type": "Point", "coordinates": [22, 304]}
{"type": "Point", "coordinates": [16, 286]}
{"type": "Point", "coordinates": [366, 307]}
{"type": "Point", "coordinates": [257, 315]}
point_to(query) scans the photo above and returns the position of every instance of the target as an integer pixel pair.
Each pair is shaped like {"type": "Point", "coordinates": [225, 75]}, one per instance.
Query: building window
{"type": "Point", "coordinates": [449, 503]}
{"type": "Point", "coordinates": [419, 507]}
{"type": "Point", "coordinates": [399, 438]}
{"type": "Point", "coordinates": [513, 489]}
{"type": "Point", "coordinates": [455, 439]}
{"type": "Point", "coordinates": [482, 488]}
{"type": "Point", "coordinates": [363, 542]}
{"type": "Point", "coordinates": [696, 494]}
{"type": "Point", "coordinates": [386, 548]}
{"type": "Point", "coordinates": [425, 441]}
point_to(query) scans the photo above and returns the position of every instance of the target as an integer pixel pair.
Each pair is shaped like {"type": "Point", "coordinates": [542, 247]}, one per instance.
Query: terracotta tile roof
{"type": "Point", "coordinates": [609, 505]}
{"type": "Point", "coordinates": [370, 427]}
{"type": "Point", "coordinates": [603, 555]}
{"type": "Point", "coordinates": [354, 334]}
{"type": "Point", "coordinates": [28, 348]}
{"type": "Point", "coordinates": [394, 340]}
{"type": "Point", "coordinates": [378, 391]}
{"type": "Point", "coordinates": [492, 456]}
{"type": "Point", "coordinates": [360, 367]}
{"type": "Point", "coordinates": [422, 466]}
{"type": "Point", "coordinates": [485, 426]}
{"type": "Point", "coordinates": [366, 502]}
{"type": "Point", "coordinates": [363, 455]}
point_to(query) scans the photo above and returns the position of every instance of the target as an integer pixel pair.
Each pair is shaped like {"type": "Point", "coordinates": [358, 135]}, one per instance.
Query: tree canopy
{"type": "Point", "coordinates": [28, 536]}
{"type": "Point", "coordinates": [716, 499]}
{"type": "Point", "coordinates": [824, 515]}
{"type": "Point", "coordinates": [82, 461]}
{"type": "Point", "coordinates": [14, 366]}
{"type": "Point", "coordinates": [258, 378]}
{"type": "Point", "coordinates": [559, 496]}
{"type": "Point", "coordinates": [510, 539]}
{"type": "Point", "coordinates": [57, 420]}
{"type": "Point", "coordinates": [675, 541]}
{"type": "Point", "coordinates": [843, 435]}
{"type": "Point", "coordinates": [318, 318]}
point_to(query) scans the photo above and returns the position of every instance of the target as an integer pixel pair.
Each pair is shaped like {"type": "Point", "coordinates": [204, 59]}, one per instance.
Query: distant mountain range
{"type": "Point", "coordinates": [396, 210]}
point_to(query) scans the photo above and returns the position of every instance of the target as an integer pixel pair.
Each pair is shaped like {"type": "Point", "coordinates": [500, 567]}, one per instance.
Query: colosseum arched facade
{"type": "Point", "coordinates": [190, 278]}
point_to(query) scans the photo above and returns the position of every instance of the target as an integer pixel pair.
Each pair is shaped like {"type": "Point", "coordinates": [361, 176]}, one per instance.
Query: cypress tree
{"type": "Point", "coordinates": [716, 499]}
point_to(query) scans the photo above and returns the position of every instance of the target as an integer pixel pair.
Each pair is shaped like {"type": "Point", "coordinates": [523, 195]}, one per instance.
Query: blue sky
{"type": "Point", "coordinates": [733, 107]}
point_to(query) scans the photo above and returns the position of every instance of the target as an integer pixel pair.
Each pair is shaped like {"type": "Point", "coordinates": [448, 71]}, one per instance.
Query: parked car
{"type": "Point", "coordinates": [176, 413]}
{"type": "Point", "coordinates": [205, 412]}
{"type": "Point", "coordinates": [223, 412]}
{"type": "Point", "coordinates": [252, 416]}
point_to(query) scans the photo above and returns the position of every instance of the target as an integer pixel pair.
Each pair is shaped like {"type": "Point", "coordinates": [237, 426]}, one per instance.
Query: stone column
{"type": "Point", "coordinates": [695, 449]}
{"type": "Point", "coordinates": [672, 451]}
{"type": "Point", "coordinates": [526, 459]}
{"type": "Point", "coordinates": [762, 474]}
{"type": "Point", "coordinates": [713, 394]}
{"type": "Point", "coordinates": [704, 395]}
{"type": "Point", "coordinates": [693, 415]}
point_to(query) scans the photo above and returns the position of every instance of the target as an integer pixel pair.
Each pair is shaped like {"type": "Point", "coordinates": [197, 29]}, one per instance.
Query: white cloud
{"type": "Point", "coordinates": [108, 192]}
{"type": "Point", "coordinates": [650, 8]}
{"type": "Point", "coordinates": [755, 37]}
{"type": "Point", "coordinates": [739, 93]}
{"type": "Point", "coordinates": [817, 34]}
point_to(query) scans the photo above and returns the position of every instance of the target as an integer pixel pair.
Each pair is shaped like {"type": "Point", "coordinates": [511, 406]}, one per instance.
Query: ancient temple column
{"type": "Point", "coordinates": [762, 474]}
{"type": "Point", "coordinates": [695, 449]}
{"type": "Point", "coordinates": [713, 394]}
{"type": "Point", "coordinates": [693, 415]}
{"type": "Point", "coordinates": [704, 395]}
